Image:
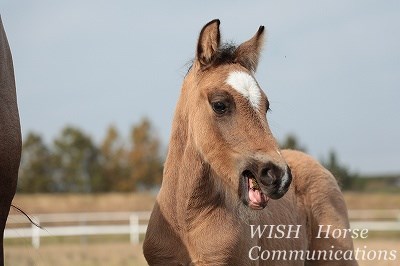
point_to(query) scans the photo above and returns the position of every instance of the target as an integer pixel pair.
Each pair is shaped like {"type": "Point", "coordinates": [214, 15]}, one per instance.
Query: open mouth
{"type": "Point", "coordinates": [257, 200]}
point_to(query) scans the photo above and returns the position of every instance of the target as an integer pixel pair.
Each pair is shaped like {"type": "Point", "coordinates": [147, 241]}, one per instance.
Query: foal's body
{"type": "Point", "coordinates": [224, 172]}
{"type": "Point", "coordinates": [10, 134]}
{"type": "Point", "coordinates": [218, 233]}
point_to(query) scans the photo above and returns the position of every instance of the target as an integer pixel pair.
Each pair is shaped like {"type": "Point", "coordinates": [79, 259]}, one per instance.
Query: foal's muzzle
{"type": "Point", "coordinates": [263, 181]}
{"type": "Point", "coordinates": [275, 180]}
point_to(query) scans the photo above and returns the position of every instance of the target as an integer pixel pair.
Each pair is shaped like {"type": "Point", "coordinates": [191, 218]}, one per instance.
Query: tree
{"type": "Point", "coordinates": [341, 173]}
{"type": "Point", "coordinates": [77, 162]}
{"type": "Point", "coordinates": [292, 143]}
{"type": "Point", "coordinates": [144, 157]}
{"type": "Point", "coordinates": [74, 163]}
{"type": "Point", "coordinates": [115, 163]}
{"type": "Point", "coordinates": [35, 170]}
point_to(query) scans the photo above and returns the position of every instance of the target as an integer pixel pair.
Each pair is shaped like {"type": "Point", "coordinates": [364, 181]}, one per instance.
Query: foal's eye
{"type": "Point", "coordinates": [219, 107]}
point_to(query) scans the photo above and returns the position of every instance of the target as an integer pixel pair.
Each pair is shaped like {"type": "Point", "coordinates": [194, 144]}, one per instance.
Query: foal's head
{"type": "Point", "coordinates": [226, 111]}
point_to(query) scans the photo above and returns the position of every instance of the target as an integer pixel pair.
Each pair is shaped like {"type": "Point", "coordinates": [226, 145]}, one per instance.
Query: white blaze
{"type": "Point", "coordinates": [246, 85]}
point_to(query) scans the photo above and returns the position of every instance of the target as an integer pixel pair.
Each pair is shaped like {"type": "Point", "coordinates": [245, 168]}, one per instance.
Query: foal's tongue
{"type": "Point", "coordinates": [256, 197]}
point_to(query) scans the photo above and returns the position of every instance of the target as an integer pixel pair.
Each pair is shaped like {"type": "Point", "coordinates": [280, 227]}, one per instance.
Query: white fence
{"type": "Point", "coordinates": [375, 219]}
{"type": "Point", "coordinates": [78, 224]}
{"type": "Point", "coordinates": [135, 223]}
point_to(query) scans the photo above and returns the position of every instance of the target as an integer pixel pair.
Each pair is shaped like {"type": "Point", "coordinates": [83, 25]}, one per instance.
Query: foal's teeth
{"type": "Point", "coordinates": [256, 186]}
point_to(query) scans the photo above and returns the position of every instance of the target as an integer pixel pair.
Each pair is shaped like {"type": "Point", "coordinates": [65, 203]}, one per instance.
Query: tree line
{"type": "Point", "coordinates": [346, 179]}
{"type": "Point", "coordinates": [73, 162]}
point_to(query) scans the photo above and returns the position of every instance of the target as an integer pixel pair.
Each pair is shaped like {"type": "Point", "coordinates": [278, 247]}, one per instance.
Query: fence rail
{"type": "Point", "coordinates": [135, 223]}
{"type": "Point", "coordinates": [79, 224]}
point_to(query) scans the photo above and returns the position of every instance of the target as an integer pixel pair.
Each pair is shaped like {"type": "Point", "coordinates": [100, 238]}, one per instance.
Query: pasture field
{"type": "Point", "coordinates": [109, 250]}
{"type": "Point", "coordinates": [358, 200]}
{"type": "Point", "coordinates": [62, 203]}
{"type": "Point", "coordinates": [115, 253]}
{"type": "Point", "coordinates": [123, 253]}
{"type": "Point", "coordinates": [59, 203]}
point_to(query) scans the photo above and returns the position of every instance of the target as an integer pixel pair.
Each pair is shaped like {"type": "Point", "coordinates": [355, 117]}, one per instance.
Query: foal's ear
{"type": "Point", "coordinates": [248, 53]}
{"type": "Point", "coordinates": [208, 43]}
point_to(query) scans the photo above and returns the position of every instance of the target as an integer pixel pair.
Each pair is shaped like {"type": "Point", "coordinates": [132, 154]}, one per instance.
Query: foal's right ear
{"type": "Point", "coordinates": [208, 43]}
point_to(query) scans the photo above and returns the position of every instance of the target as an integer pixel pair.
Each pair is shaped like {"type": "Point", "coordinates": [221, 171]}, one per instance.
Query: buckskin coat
{"type": "Point", "coordinates": [224, 172]}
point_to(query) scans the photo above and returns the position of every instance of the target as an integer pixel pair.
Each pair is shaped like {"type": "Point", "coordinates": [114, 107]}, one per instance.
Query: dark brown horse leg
{"type": "Point", "coordinates": [10, 134]}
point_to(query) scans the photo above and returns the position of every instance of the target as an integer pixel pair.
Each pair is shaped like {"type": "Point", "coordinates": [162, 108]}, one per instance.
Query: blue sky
{"type": "Point", "coordinates": [331, 69]}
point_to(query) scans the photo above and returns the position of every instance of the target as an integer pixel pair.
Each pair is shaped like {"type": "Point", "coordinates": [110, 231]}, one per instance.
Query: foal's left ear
{"type": "Point", "coordinates": [248, 53]}
{"type": "Point", "coordinates": [208, 43]}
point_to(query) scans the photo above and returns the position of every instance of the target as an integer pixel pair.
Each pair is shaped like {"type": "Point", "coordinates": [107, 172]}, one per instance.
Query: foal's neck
{"type": "Point", "coordinates": [195, 186]}
{"type": "Point", "coordinates": [187, 176]}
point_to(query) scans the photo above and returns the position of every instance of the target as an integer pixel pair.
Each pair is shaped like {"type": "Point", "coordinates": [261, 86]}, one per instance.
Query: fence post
{"type": "Point", "coordinates": [134, 228]}
{"type": "Point", "coordinates": [36, 234]}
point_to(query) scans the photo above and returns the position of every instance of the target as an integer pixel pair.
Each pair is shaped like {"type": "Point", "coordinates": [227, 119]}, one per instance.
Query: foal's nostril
{"type": "Point", "coordinates": [270, 174]}
{"type": "Point", "coordinates": [267, 178]}
{"type": "Point", "coordinates": [265, 171]}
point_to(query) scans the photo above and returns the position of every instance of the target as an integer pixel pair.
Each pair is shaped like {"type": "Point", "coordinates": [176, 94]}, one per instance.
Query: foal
{"type": "Point", "coordinates": [10, 134]}
{"type": "Point", "coordinates": [224, 174]}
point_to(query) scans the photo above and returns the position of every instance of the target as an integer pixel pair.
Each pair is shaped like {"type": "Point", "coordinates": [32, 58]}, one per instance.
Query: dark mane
{"type": "Point", "coordinates": [224, 55]}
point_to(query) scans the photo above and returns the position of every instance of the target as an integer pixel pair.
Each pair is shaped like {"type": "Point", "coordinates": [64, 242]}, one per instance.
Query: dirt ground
{"type": "Point", "coordinates": [374, 245]}
{"type": "Point", "coordinates": [120, 254]}
{"type": "Point", "coordinates": [75, 254]}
